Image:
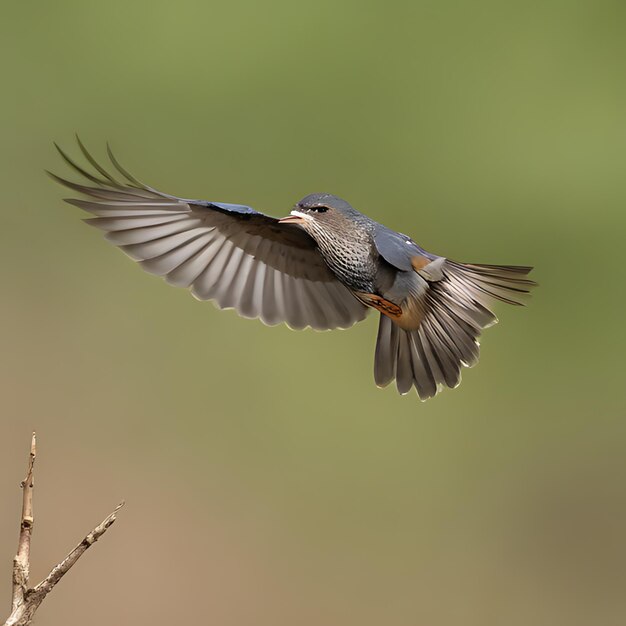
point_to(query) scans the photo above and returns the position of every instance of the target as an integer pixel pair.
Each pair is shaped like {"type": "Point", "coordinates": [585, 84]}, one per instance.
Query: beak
{"type": "Point", "coordinates": [291, 219]}
{"type": "Point", "coordinates": [295, 218]}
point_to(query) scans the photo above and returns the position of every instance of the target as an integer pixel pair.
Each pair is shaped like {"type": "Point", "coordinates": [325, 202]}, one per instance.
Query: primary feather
{"type": "Point", "coordinates": [228, 253]}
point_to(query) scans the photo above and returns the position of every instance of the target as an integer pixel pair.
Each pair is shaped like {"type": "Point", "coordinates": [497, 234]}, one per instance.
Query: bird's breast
{"type": "Point", "coordinates": [351, 261]}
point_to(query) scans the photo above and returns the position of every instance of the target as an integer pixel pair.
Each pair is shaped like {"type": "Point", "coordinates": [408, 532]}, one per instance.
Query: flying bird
{"type": "Point", "coordinates": [323, 266]}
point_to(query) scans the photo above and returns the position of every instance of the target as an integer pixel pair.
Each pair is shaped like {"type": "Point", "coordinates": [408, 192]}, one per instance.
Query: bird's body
{"type": "Point", "coordinates": [322, 266]}
{"type": "Point", "coordinates": [347, 249]}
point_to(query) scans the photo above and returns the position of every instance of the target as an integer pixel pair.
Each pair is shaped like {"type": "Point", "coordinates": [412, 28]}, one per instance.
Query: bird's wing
{"type": "Point", "coordinates": [228, 253]}
{"type": "Point", "coordinates": [445, 306]}
{"type": "Point", "coordinates": [399, 250]}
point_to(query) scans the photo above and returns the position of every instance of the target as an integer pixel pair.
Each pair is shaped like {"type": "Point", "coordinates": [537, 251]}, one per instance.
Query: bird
{"type": "Point", "coordinates": [324, 266]}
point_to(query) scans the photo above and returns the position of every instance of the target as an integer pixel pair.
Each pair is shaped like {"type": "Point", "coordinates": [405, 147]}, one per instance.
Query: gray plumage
{"type": "Point", "coordinates": [445, 303]}
{"type": "Point", "coordinates": [228, 253]}
{"type": "Point", "coordinates": [322, 267]}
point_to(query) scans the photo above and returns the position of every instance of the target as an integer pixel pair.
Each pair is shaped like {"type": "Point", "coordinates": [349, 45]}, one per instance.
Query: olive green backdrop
{"type": "Point", "coordinates": [268, 481]}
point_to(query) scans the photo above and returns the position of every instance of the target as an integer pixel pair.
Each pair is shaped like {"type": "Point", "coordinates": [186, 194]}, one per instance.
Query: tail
{"type": "Point", "coordinates": [456, 309]}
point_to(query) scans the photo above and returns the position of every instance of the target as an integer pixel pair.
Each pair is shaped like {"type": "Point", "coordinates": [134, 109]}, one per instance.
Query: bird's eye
{"type": "Point", "coordinates": [319, 209]}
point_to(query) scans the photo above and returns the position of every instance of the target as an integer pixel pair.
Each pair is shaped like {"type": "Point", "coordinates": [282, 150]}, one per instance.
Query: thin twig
{"type": "Point", "coordinates": [21, 562]}
{"type": "Point", "coordinates": [58, 571]}
{"type": "Point", "coordinates": [25, 599]}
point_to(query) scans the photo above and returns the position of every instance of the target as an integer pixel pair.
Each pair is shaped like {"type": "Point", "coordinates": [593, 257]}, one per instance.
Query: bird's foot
{"type": "Point", "coordinates": [379, 303]}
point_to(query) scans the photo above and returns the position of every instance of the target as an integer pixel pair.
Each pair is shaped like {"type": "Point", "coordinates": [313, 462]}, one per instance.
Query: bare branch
{"type": "Point", "coordinates": [58, 571]}
{"type": "Point", "coordinates": [21, 562]}
{"type": "Point", "coordinates": [26, 600]}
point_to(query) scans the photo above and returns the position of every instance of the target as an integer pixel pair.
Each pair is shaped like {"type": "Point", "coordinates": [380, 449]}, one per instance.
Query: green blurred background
{"type": "Point", "coordinates": [268, 481]}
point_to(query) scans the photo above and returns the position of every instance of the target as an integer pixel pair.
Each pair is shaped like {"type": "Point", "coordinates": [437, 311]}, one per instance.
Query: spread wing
{"type": "Point", "coordinates": [446, 306]}
{"type": "Point", "coordinates": [228, 253]}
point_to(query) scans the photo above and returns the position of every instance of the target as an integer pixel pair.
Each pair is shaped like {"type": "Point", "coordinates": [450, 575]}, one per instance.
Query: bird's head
{"type": "Point", "coordinates": [322, 212]}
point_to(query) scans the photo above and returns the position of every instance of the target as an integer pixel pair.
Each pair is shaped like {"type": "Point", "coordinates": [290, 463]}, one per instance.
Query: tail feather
{"type": "Point", "coordinates": [424, 377]}
{"type": "Point", "coordinates": [386, 358]}
{"type": "Point", "coordinates": [404, 374]}
{"type": "Point", "coordinates": [457, 309]}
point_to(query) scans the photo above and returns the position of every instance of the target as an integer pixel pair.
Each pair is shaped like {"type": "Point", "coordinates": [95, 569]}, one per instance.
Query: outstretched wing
{"type": "Point", "coordinates": [446, 307]}
{"type": "Point", "coordinates": [228, 253]}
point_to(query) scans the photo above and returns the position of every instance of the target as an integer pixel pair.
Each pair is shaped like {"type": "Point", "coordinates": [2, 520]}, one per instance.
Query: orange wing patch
{"type": "Point", "coordinates": [419, 262]}
{"type": "Point", "coordinates": [431, 270]}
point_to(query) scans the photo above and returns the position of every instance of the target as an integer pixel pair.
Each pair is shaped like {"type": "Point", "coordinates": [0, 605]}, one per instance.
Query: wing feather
{"type": "Point", "coordinates": [225, 252]}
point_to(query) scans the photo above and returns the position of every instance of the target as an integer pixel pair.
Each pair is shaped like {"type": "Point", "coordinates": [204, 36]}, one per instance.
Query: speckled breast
{"type": "Point", "coordinates": [351, 260]}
